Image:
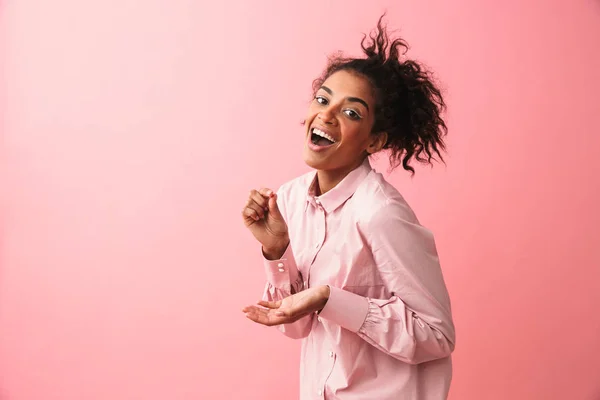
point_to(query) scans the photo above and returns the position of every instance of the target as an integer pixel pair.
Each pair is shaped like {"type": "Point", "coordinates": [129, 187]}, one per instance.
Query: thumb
{"type": "Point", "coordinates": [284, 312]}
{"type": "Point", "coordinates": [274, 208]}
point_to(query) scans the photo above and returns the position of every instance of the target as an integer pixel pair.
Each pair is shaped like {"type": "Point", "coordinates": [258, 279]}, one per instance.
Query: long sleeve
{"type": "Point", "coordinates": [283, 280]}
{"type": "Point", "coordinates": [414, 324]}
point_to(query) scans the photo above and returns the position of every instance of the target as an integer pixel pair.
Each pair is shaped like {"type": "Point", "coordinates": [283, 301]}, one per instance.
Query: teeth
{"type": "Point", "coordinates": [322, 134]}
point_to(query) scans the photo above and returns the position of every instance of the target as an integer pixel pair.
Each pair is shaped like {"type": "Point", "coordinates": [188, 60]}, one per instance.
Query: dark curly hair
{"type": "Point", "coordinates": [408, 103]}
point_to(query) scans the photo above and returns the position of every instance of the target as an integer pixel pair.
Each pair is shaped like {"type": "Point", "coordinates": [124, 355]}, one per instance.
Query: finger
{"type": "Point", "coordinates": [272, 203]}
{"type": "Point", "coordinates": [257, 319]}
{"type": "Point", "coordinates": [250, 213]}
{"type": "Point", "coordinates": [247, 309]}
{"type": "Point", "coordinates": [257, 204]}
{"type": "Point", "coordinates": [266, 192]}
{"type": "Point", "coordinates": [270, 307]}
{"type": "Point", "coordinates": [270, 304]}
{"type": "Point", "coordinates": [254, 309]}
{"type": "Point", "coordinates": [265, 316]}
{"type": "Point", "coordinates": [258, 209]}
{"type": "Point", "coordinates": [259, 199]}
{"type": "Point", "coordinates": [273, 208]}
{"type": "Point", "coordinates": [259, 316]}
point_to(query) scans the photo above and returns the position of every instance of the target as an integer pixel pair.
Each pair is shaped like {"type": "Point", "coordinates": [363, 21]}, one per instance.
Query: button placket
{"type": "Point", "coordinates": [320, 229]}
{"type": "Point", "coordinates": [331, 361]}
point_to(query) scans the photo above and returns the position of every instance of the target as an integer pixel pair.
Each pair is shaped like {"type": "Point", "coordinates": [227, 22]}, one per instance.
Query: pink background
{"type": "Point", "coordinates": [133, 131]}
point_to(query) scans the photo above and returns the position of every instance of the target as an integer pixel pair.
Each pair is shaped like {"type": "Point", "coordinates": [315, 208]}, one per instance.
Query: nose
{"type": "Point", "coordinates": [327, 116]}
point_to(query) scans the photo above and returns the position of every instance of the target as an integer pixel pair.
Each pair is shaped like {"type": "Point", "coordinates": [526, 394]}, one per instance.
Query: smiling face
{"type": "Point", "coordinates": [339, 123]}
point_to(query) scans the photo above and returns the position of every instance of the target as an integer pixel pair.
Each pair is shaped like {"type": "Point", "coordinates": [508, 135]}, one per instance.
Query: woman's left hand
{"type": "Point", "coordinates": [290, 309]}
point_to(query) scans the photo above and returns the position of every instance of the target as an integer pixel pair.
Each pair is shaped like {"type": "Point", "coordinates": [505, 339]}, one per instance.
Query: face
{"type": "Point", "coordinates": [339, 123]}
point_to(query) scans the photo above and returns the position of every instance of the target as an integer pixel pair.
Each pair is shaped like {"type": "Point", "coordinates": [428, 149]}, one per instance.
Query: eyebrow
{"type": "Point", "coordinates": [352, 99]}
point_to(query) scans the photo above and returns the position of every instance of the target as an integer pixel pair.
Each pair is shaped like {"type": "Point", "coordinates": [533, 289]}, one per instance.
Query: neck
{"type": "Point", "coordinates": [328, 179]}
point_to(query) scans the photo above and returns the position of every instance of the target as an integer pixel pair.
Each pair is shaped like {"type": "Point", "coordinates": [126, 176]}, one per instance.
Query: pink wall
{"type": "Point", "coordinates": [134, 129]}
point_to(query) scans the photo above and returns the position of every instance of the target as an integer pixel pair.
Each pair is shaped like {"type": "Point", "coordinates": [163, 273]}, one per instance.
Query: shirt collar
{"type": "Point", "coordinates": [337, 196]}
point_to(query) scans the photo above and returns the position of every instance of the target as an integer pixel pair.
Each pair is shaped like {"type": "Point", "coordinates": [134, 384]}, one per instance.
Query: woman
{"type": "Point", "coordinates": [350, 270]}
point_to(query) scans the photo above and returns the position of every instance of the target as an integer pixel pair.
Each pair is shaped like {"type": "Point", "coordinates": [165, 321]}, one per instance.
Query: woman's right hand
{"type": "Point", "coordinates": [263, 218]}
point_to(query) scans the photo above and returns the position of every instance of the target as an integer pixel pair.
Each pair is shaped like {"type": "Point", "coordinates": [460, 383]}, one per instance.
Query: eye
{"type": "Point", "coordinates": [321, 100]}
{"type": "Point", "coordinates": [352, 114]}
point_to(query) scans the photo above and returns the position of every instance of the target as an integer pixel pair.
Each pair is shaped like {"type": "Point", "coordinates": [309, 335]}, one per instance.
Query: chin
{"type": "Point", "coordinates": [313, 165]}
{"type": "Point", "coordinates": [313, 161]}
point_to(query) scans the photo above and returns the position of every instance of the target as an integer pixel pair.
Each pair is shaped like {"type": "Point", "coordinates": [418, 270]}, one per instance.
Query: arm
{"type": "Point", "coordinates": [283, 280]}
{"type": "Point", "coordinates": [415, 324]}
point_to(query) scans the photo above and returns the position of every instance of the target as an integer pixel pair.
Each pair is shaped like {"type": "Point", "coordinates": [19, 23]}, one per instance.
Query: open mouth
{"type": "Point", "coordinates": [320, 138]}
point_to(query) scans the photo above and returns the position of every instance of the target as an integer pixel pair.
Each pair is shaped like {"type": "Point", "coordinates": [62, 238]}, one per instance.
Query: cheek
{"type": "Point", "coordinates": [355, 133]}
{"type": "Point", "coordinates": [311, 113]}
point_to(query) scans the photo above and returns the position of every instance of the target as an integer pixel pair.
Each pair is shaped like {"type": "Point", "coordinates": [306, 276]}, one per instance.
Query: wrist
{"type": "Point", "coordinates": [325, 291]}
{"type": "Point", "coordinates": [276, 251]}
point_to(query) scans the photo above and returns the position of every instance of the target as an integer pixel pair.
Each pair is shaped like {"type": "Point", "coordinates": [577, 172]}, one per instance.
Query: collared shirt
{"type": "Point", "coordinates": [386, 332]}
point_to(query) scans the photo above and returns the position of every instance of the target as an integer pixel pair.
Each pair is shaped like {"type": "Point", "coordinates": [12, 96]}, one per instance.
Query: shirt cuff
{"type": "Point", "coordinates": [345, 309]}
{"type": "Point", "coordinates": [282, 272]}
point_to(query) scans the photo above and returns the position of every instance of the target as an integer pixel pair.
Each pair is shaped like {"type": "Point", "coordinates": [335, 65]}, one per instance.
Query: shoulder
{"type": "Point", "coordinates": [385, 217]}
{"type": "Point", "coordinates": [376, 198]}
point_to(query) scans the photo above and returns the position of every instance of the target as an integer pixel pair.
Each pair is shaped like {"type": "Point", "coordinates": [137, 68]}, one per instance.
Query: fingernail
{"type": "Point", "coordinates": [280, 313]}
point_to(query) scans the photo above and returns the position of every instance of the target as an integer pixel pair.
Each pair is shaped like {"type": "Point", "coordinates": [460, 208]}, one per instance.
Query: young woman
{"type": "Point", "coordinates": [350, 270]}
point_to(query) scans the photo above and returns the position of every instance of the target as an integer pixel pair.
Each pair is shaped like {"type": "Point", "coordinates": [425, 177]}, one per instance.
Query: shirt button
{"type": "Point", "coordinates": [281, 270]}
{"type": "Point", "coordinates": [319, 319]}
{"type": "Point", "coordinates": [280, 265]}
{"type": "Point", "coordinates": [320, 392]}
{"type": "Point", "coordinates": [331, 354]}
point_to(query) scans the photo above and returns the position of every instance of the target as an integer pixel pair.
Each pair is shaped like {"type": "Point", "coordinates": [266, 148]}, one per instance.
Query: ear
{"type": "Point", "coordinates": [377, 143]}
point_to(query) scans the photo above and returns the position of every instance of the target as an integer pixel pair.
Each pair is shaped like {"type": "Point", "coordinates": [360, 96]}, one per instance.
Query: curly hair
{"type": "Point", "coordinates": [408, 103]}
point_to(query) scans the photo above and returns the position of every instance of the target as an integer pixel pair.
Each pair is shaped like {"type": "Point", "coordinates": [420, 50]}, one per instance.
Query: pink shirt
{"type": "Point", "coordinates": [386, 331]}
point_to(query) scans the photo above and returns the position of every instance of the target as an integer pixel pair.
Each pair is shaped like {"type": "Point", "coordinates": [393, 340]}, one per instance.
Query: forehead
{"type": "Point", "coordinates": [349, 84]}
